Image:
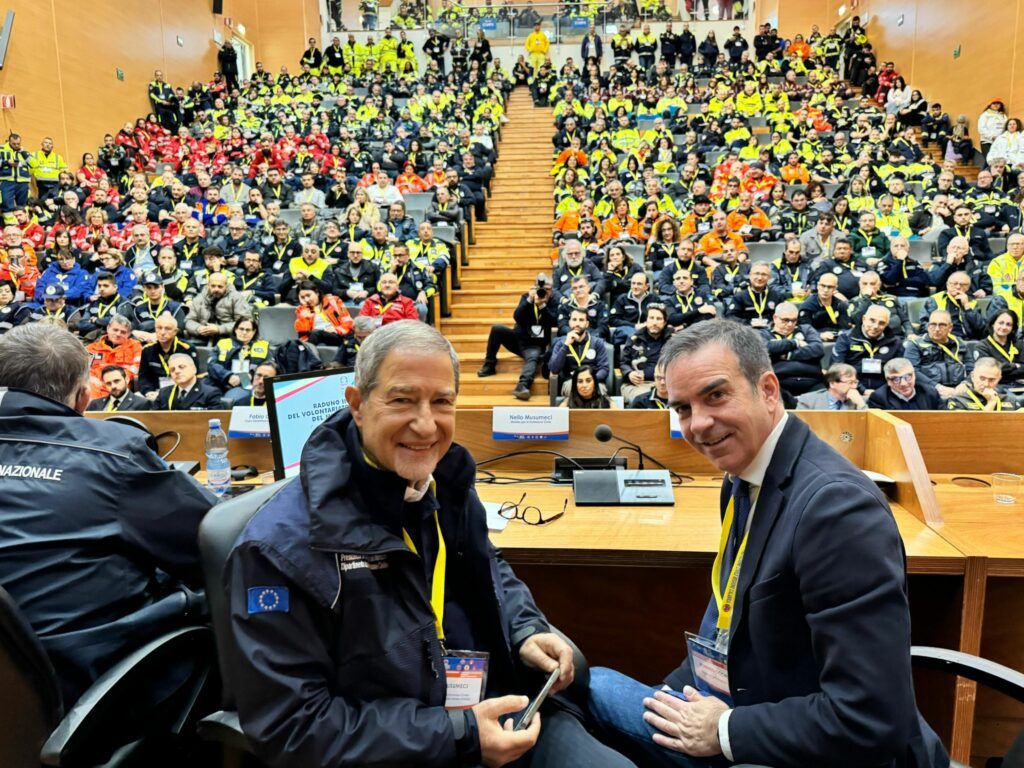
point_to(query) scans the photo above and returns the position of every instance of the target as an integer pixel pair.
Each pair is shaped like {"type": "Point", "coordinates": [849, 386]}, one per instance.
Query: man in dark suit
{"type": "Point", "coordinates": [803, 654]}
{"type": "Point", "coordinates": [902, 391]}
{"type": "Point", "coordinates": [119, 397]}
{"type": "Point", "coordinates": [187, 392]}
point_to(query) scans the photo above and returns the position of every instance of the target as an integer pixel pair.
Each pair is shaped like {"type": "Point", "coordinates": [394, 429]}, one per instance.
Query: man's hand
{"type": "Point", "coordinates": [234, 380]}
{"type": "Point", "coordinates": [636, 378]}
{"type": "Point", "coordinates": [707, 309]}
{"type": "Point", "coordinates": [545, 651]}
{"type": "Point", "coordinates": [690, 726]}
{"type": "Point", "coordinates": [151, 395]}
{"type": "Point", "coordinates": [856, 398]}
{"type": "Point", "coordinates": [421, 298]}
{"type": "Point", "coordinates": [499, 744]}
{"type": "Point", "coordinates": [208, 330]}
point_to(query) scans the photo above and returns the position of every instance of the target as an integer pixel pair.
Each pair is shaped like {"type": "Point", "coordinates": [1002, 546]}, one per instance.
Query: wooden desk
{"type": "Point", "coordinates": [683, 535]}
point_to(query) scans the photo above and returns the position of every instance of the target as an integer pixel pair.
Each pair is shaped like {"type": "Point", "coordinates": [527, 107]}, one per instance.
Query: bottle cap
{"type": "Point", "coordinates": [214, 423]}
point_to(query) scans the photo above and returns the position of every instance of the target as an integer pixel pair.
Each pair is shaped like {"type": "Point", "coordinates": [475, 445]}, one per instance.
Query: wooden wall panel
{"type": "Point", "coordinates": [988, 31]}
{"type": "Point", "coordinates": [63, 58]}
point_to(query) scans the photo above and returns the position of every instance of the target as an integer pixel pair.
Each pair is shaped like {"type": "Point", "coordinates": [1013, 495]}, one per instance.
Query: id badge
{"type": "Point", "coordinates": [237, 365]}
{"type": "Point", "coordinates": [466, 678]}
{"type": "Point", "coordinates": [871, 365]}
{"type": "Point", "coordinates": [355, 287]}
{"type": "Point", "coordinates": [868, 252]}
{"type": "Point", "coordinates": [710, 667]}
{"type": "Point", "coordinates": [537, 331]}
{"type": "Point", "coordinates": [746, 229]}
{"type": "Point", "coordinates": [759, 322]}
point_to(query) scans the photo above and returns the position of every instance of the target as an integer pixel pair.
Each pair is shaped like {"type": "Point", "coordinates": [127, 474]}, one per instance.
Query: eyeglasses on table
{"type": "Point", "coordinates": [529, 514]}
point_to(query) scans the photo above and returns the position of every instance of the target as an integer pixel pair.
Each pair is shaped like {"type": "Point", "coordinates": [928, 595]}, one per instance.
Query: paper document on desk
{"type": "Point", "coordinates": [878, 477]}
{"type": "Point", "coordinates": [495, 522]}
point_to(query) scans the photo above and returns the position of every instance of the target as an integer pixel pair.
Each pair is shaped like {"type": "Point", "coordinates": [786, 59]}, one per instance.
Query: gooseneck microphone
{"type": "Point", "coordinates": [603, 433]}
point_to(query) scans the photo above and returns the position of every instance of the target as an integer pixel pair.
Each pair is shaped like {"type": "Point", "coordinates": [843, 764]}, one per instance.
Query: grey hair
{"type": "Point", "coordinates": [836, 372]}
{"type": "Point", "coordinates": [896, 364]}
{"type": "Point", "coordinates": [180, 356]}
{"type": "Point", "coordinates": [365, 323]}
{"type": "Point", "coordinates": [120, 320]}
{"type": "Point", "coordinates": [981, 362]}
{"type": "Point", "coordinates": [45, 360]}
{"type": "Point", "coordinates": [403, 336]}
{"type": "Point", "coordinates": [742, 340]}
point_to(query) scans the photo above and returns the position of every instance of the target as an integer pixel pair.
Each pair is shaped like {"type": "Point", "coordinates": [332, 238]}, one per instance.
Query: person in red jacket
{"type": "Point", "coordinates": [321, 318]}
{"type": "Point", "coordinates": [388, 305]}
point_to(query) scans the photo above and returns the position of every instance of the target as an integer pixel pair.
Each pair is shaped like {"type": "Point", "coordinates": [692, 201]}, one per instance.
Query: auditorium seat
{"type": "Point", "coordinates": [277, 324]}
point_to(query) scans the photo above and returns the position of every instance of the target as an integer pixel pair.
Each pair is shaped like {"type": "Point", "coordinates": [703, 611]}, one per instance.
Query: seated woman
{"type": "Point", "coordinates": [1000, 344]}
{"type": "Point", "coordinates": [320, 318]}
{"type": "Point", "coordinates": [236, 356]}
{"type": "Point", "coordinates": [584, 391]}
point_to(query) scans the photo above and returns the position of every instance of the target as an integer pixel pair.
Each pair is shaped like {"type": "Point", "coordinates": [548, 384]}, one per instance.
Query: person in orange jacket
{"type": "Point", "coordinates": [621, 225]}
{"type": "Point", "coordinates": [747, 220]}
{"type": "Point", "coordinates": [408, 181]}
{"type": "Point", "coordinates": [321, 318]}
{"type": "Point", "coordinates": [116, 347]}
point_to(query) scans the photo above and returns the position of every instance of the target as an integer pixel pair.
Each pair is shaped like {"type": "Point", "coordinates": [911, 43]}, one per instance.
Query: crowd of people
{"type": "Point", "coordinates": [163, 248]}
{"type": "Point", "coordinates": [757, 183]}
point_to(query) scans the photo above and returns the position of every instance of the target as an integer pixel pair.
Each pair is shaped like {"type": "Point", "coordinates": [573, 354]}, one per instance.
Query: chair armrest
{"type": "Point", "coordinates": [223, 727]}
{"type": "Point", "coordinates": [130, 692]}
{"type": "Point", "coordinates": [988, 673]}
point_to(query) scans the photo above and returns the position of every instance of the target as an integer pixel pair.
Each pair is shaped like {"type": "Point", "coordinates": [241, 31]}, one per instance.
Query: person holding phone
{"type": "Point", "coordinates": [355, 586]}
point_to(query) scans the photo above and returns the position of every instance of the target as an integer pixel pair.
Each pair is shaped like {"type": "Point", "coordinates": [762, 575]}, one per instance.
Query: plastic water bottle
{"type": "Point", "coordinates": [218, 467]}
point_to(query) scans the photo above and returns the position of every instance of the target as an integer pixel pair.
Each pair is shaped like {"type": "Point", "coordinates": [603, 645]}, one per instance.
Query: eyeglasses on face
{"type": "Point", "coordinates": [530, 514]}
{"type": "Point", "coordinates": [901, 378]}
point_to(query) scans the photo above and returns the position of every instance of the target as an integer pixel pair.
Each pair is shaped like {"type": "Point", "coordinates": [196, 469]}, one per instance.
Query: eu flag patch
{"type": "Point", "coordinates": [268, 600]}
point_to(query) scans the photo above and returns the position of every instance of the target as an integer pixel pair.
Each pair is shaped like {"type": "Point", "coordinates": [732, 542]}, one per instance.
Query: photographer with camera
{"type": "Point", "coordinates": [534, 318]}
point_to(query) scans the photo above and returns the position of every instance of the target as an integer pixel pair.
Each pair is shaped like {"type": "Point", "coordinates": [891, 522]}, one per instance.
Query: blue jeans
{"type": "Point", "coordinates": [617, 706]}
{"type": "Point", "coordinates": [565, 743]}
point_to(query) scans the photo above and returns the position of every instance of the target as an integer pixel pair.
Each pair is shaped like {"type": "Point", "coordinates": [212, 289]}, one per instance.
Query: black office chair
{"type": "Point", "coordinates": [217, 535]}
{"type": "Point", "coordinates": [138, 708]}
{"type": "Point", "coordinates": [988, 673]}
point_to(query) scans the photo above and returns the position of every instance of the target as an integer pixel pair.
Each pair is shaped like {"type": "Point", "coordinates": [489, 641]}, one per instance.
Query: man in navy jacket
{"type": "Point", "coordinates": [809, 612]}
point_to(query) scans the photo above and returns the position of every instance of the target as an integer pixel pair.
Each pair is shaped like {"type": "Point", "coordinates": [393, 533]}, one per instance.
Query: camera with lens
{"type": "Point", "coordinates": [542, 286]}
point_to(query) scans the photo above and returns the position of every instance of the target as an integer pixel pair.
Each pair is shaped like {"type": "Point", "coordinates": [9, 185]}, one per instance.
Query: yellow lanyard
{"type": "Point", "coordinates": [954, 355]}
{"type": "Point", "coordinates": [579, 358]}
{"type": "Point", "coordinates": [247, 283]}
{"type": "Point", "coordinates": [688, 305]}
{"type": "Point", "coordinates": [833, 314]}
{"type": "Point", "coordinates": [437, 583]}
{"type": "Point", "coordinates": [1008, 354]}
{"type": "Point", "coordinates": [759, 308]}
{"type": "Point", "coordinates": [160, 307]}
{"type": "Point", "coordinates": [657, 402]}
{"type": "Point", "coordinates": [726, 601]}
{"type": "Point", "coordinates": [870, 350]}
{"type": "Point", "coordinates": [170, 400]}
{"type": "Point", "coordinates": [280, 250]}
{"type": "Point", "coordinates": [110, 404]}
{"type": "Point", "coordinates": [102, 311]}
{"type": "Point", "coordinates": [190, 255]}
{"type": "Point", "coordinates": [382, 308]}
{"type": "Point", "coordinates": [981, 405]}
{"type": "Point", "coordinates": [329, 251]}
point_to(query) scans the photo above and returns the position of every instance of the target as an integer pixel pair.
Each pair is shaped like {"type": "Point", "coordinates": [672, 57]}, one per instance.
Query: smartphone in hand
{"type": "Point", "coordinates": [528, 713]}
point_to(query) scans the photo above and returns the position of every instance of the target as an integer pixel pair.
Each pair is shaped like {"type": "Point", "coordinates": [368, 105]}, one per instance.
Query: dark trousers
{"type": "Point", "coordinates": [14, 193]}
{"type": "Point", "coordinates": [646, 61]}
{"type": "Point", "coordinates": [503, 336]}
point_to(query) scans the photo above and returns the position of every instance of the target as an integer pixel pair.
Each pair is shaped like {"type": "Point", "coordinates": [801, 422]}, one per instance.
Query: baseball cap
{"type": "Point", "coordinates": [151, 278]}
{"type": "Point", "coordinates": [54, 291]}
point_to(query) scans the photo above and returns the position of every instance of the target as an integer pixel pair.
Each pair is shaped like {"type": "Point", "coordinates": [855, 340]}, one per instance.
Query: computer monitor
{"type": "Point", "coordinates": [298, 403]}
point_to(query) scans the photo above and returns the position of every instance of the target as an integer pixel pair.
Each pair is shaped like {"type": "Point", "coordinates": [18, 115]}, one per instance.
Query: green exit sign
{"type": "Point", "coordinates": [956, 51]}
{"type": "Point", "coordinates": [120, 74]}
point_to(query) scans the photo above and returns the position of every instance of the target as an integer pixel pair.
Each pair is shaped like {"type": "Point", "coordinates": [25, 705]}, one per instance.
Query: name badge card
{"type": "Point", "coordinates": [249, 421]}
{"type": "Point", "coordinates": [512, 423]}
{"type": "Point", "coordinates": [466, 677]}
{"type": "Point", "coordinates": [710, 667]}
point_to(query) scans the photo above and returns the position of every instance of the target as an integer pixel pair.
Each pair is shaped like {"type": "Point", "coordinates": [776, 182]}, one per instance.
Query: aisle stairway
{"type": "Point", "coordinates": [511, 248]}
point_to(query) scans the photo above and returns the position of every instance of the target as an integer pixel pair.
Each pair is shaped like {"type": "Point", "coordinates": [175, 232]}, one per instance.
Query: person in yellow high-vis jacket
{"type": "Point", "coordinates": [537, 46]}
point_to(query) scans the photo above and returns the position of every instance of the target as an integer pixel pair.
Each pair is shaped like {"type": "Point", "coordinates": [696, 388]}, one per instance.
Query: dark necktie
{"type": "Point", "coordinates": [740, 515]}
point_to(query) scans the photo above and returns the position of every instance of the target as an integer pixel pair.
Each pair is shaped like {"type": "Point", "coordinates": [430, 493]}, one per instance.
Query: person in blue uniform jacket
{"type": "Point", "coordinates": [809, 613]}
{"type": "Point", "coordinates": [90, 515]}
{"type": "Point", "coordinates": [349, 584]}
